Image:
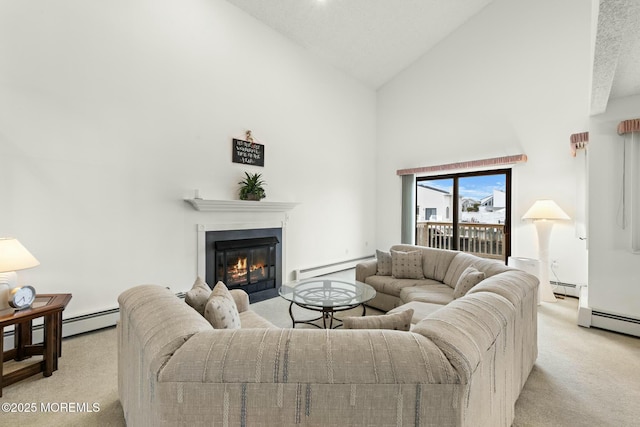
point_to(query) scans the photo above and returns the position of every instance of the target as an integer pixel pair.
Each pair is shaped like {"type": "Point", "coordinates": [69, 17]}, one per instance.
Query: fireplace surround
{"type": "Point", "coordinates": [247, 259]}
{"type": "Point", "coordinates": [241, 215]}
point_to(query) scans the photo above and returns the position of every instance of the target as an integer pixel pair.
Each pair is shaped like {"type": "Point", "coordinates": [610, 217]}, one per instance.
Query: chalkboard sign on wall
{"type": "Point", "coordinates": [248, 153]}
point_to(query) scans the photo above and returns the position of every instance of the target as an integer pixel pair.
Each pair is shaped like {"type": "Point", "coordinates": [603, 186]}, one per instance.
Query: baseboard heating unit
{"type": "Point", "coordinates": [320, 270]}
{"type": "Point", "coordinates": [589, 317]}
{"type": "Point", "coordinates": [614, 322]}
{"type": "Point", "coordinates": [568, 289]}
{"type": "Point", "coordinates": [73, 325]}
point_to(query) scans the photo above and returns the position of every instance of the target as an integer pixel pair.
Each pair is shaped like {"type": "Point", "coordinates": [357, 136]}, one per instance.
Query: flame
{"type": "Point", "coordinates": [238, 271]}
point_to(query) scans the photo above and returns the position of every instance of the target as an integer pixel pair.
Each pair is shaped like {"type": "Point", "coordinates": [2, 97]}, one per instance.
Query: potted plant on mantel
{"type": "Point", "coordinates": [252, 187]}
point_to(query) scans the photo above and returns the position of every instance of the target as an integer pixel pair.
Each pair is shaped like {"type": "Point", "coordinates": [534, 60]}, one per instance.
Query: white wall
{"type": "Point", "coordinates": [513, 79]}
{"type": "Point", "coordinates": [614, 272]}
{"type": "Point", "coordinates": [428, 198]}
{"type": "Point", "coordinates": [112, 112]}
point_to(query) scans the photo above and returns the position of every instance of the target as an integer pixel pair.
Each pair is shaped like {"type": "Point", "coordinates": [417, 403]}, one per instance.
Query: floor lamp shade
{"type": "Point", "coordinates": [544, 213]}
{"type": "Point", "coordinates": [13, 257]}
{"type": "Point", "coordinates": [545, 209]}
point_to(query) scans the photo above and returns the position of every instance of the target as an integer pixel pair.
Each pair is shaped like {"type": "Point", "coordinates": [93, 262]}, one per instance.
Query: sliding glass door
{"type": "Point", "coordinates": [469, 212]}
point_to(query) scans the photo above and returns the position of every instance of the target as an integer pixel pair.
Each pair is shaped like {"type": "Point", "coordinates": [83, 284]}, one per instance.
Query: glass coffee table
{"type": "Point", "coordinates": [327, 296]}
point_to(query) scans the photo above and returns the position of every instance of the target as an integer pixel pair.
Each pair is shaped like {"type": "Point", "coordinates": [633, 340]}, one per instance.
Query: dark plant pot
{"type": "Point", "coordinates": [252, 196]}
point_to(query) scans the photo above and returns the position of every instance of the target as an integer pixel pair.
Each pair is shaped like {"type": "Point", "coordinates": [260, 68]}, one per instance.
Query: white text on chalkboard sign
{"type": "Point", "coordinates": [248, 153]}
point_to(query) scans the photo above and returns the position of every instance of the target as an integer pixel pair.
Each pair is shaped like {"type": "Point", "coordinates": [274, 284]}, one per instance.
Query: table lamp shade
{"type": "Point", "coordinates": [14, 256]}
{"type": "Point", "coordinates": [545, 209]}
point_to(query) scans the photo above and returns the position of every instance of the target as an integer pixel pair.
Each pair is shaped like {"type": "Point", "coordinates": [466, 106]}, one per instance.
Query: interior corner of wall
{"type": "Point", "coordinates": [584, 311]}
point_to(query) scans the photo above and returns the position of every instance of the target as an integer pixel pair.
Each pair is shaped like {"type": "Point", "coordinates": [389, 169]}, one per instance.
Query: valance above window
{"type": "Point", "coordinates": [472, 164]}
{"type": "Point", "coordinates": [578, 141]}
{"type": "Point", "coordinates": [629, 126]}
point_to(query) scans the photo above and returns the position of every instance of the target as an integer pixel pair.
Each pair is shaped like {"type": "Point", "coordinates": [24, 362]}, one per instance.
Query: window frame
{"type": "Point", "coordinates": [507, 172]}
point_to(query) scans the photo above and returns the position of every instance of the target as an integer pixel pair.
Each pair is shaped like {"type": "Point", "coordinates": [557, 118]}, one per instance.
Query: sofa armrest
{"type": "Point", "coordinates": [241, 298]}
{"type": "Point", "coordinates": [468, 328]}
{"type": "Point", "coordinates": [366, 269]}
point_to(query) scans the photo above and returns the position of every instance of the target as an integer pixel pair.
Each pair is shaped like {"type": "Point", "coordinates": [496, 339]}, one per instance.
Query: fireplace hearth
{"type": "Point", "coordinates": [250, 260]}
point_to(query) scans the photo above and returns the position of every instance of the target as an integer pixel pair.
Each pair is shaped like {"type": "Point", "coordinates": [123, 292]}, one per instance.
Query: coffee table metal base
{"type": "Point", "coordinates": [327, 315]}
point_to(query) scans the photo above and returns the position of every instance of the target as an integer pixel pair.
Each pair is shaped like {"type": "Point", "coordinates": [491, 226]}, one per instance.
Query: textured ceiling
{"type": "Point", "coordinates": [372, 40]}
{"type": "Point", "coordinates": [616, 63]}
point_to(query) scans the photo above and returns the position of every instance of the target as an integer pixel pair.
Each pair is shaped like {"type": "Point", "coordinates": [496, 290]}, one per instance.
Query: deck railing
{"type": "Point", "coordinates": [483, 240]}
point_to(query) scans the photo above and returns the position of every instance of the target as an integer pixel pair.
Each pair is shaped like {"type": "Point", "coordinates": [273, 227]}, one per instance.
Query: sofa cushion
{"type": "Point", "coordinates": [241, 298]}
{"type": "Point", "coordinates": [468, 279]}
{"type": "Point", "coordinates": [435, 262]}
{"type": "Point", "coordinates": [391, 286]}
{"type": "Point", "coordinates": [221, 310]}
{"type": "Point", "coordinates": [249, 319]}
{"type": "Point", "coordinates": [198, 295]}
{"type": "Point", "coordinates": [400, 321]}
{"type": "Point", "coordinates": [490, 267]}
{"type": "Point", "coordinates": [459, 263]}
{"type": "Point", "coordinates": [329, 361]}
{"type": "Point", "coordinates": [384, 263]}
{"type": "Point", "coordinates": [503, 285]}
{"type": "Point", "coordinates": [406, 265]}
{"type": "Point", "coordinates": [435, 293]}
{"type": "Point", "coordinates": [420, 310]}
{"type": "Point", "coordinates": [463, 260]}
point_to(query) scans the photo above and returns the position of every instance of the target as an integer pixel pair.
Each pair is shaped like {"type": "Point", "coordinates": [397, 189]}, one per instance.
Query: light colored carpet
{"type": "Point", "coordinates": [583, 377]}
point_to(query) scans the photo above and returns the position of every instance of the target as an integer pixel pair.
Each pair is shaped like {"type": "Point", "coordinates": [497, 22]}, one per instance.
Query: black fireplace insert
{"type": "Point", "coordinates": [245, 259]}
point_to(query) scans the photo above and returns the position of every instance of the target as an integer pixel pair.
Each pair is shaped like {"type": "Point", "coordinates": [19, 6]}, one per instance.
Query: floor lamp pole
{"type": "Point", "coordinates": [543, 227]}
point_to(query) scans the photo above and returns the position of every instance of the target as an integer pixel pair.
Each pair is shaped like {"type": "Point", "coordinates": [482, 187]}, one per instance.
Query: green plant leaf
{"type": "Point", "coordinates": [252, 184]}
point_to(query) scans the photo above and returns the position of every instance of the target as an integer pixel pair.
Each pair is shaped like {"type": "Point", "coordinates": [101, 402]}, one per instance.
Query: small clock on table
{"type": "Point", "coordinates": [22, 297]}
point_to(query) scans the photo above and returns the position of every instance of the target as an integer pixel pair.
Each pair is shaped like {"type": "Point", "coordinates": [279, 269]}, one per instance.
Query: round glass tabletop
{"type": "Point", "coordinates": [326, 292]}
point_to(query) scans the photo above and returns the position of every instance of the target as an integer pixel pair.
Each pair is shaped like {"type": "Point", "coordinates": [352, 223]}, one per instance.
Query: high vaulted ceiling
{"type": "Point", "coordinates": [373, 40]}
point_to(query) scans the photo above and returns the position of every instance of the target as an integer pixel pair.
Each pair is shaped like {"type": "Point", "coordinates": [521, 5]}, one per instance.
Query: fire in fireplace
{"type": "Point", "coordinates": [251, 264]}
{"type": "Point", "coordinates": [245, 262]}
{"type": "Point", "coordinates": [238, 273]}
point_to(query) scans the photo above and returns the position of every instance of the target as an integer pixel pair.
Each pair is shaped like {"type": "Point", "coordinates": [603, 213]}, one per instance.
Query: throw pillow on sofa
{"type": "Point", "coordinates": [384, 263]}
{"type": "Point", "coordinates": [198, 295]}
{"type": "Point", "coordinates": [400, 321]}
{"type": "Point", "coordinates": [468, 279]}
{"type": "Point", "coordinates": [406, 265]}
{"type": "Point", "coordinates": [221, 310]}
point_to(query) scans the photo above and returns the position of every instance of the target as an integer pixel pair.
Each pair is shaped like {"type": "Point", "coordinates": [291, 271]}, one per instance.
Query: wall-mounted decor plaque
{"type": "Point", "coordinates": [248, 152]}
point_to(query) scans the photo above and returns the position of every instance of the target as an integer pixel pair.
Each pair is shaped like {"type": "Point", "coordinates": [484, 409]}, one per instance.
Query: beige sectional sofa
{"type": "Point", "coordinates": [441, 270]}
{"type": "Point", "coordinates": [463, 365]}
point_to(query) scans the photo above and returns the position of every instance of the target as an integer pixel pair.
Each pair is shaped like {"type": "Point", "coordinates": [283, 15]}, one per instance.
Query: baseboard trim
{"type": "Point", "coordinates": [319, 270]}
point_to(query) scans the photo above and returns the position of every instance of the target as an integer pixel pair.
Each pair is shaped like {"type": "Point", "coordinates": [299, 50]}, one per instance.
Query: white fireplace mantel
{"type": "Point", "coordinates": [240, 205]}
{"type": "Point", "coordinates": [274, 215]}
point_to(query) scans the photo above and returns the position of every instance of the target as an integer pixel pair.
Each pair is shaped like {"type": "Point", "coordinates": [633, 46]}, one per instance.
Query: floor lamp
{"type": "Point", "coordinates": [544, 213]}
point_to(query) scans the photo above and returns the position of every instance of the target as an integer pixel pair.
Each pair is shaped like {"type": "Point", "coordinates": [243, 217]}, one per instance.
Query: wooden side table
{"type": "Point", "coordinates": [49, 306]}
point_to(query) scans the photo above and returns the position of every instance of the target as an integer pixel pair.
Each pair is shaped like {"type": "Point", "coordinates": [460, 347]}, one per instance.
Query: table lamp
{"type": "Point", "coordinates": [13, 257]}
{"type": "Point", "coordinates": [544, 213]}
